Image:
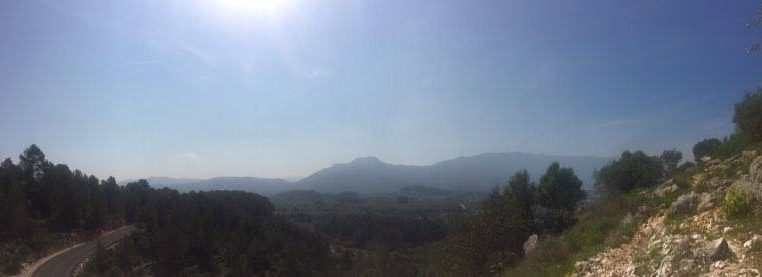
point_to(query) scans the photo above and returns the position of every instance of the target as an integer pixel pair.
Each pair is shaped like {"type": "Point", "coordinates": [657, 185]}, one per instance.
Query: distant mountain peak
{"type": "Point", "coordinates": [366, 160]}
{"type": "Point", "coordinates": [477, 173]}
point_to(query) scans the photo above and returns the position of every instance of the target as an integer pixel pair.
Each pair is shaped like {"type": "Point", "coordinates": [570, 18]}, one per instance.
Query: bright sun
{"type": "Point", "coordinates": [265, 7]}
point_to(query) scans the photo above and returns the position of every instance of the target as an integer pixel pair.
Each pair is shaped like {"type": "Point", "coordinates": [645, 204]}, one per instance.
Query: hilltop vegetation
{"type": "Point", "coordinates": [45, 206]}
{"type": "Point", "coordinates": [665, 219]}
{"type": "Point", "coordinates": [219, 233]}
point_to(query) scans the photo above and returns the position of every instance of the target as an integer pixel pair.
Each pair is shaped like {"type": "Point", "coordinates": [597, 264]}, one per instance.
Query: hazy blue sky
{"type": "Point", "coordinates": [201, 88]}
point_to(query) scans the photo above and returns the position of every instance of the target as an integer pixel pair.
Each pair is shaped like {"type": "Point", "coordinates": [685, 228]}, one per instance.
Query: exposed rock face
{"type": "Point", "coordinates": [748, 187]}
{"type": "Point", "coordinates": [620, 261]}
{"type": "Point", "coordinates": [718, 250]}
{"type": "Point", "coordinates": [719, 183]}
{"type": "Point", "coordinates": [754, 244]}
{"type": "Point", "coordinates": [685, 204]}
{"type": "Point", "coordinates": [530, 244]}
{"type": "Point", "coordinates": [686, 265]}
{"type": "Point", "coordinates": [755, 170]}
{"type": "Point", "coordinates": [705, 201]}
{"type": "Point", "coordinates": [755, 178]}
{"type": "Point", "coordinates": [680, 246]}
{"type": "Point", "coordinates": [666, 188]}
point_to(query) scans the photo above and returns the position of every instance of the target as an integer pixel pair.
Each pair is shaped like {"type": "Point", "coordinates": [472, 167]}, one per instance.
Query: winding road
{"type": "Point", "coordinates": [64, 263]}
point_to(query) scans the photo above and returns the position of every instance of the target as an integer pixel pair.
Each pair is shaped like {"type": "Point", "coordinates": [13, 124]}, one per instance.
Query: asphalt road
{"type": "Point", "coordinates": [65, 263]}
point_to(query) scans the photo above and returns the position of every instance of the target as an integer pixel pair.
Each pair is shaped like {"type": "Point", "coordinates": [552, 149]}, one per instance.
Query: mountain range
{"type": "Point", "coordinates": [370, 175]}
{"type": "Point", "coordinates": [264, 186]}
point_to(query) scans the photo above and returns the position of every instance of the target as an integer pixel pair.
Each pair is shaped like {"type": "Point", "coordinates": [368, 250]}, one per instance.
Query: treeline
{"type": "Point", "coordinates": [39, 199]}
{"type": "Point", "coordinates": [390, 232]}
{"type": "Point", "coordinates": [747, 117]}
{"type": "Point", "coordinates": [622, 183]}
{"type": "Point", "coordinates": [227, 233]}
{"type": "Point", "coordinates": [493, 238]}
{"type": "Point", "coordinates": [213, 233]}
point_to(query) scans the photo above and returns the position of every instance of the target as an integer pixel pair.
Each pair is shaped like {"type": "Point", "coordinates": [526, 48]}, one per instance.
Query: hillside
{"type": "Point", "coordinates": [475, 173]}
{"type": "Point", "coordinates": [704, 221]}
{"type": "Point", "coordinates": [693, 235]}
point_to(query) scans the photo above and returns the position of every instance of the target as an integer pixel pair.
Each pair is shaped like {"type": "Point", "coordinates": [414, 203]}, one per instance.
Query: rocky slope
{"type": "Point", "coordinates": [692, 236]}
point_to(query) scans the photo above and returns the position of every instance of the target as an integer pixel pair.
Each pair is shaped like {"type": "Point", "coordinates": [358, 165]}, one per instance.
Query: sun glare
{"type": "Point", "coordinates": [249, 7]}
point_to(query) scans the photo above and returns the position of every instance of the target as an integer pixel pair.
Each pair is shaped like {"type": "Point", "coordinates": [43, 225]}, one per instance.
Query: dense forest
{"type": "Point", "coordinates": [221, 232]}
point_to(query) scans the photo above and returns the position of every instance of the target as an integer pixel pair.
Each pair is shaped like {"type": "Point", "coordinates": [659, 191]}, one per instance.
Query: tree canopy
{"type": "Point", "coordinates": [224, 233]}
{"type": "Point", "coordinates": [632, 170]}
{"type": "Point", "coordinates": [670, 159]}
{"type": "Point", "coordinates": [560, 188]}
{"type": "Point", "coordinates": [748, 116]}
{"type": "Point", "coordinates": [705, 148]}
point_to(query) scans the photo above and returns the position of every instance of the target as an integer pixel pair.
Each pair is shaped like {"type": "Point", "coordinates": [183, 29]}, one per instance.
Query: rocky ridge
{"type": "Point", "coordinates": [692, 236]}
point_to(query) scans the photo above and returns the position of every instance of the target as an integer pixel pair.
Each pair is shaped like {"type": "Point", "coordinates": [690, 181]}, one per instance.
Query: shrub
{"type": "Point", "coordinates": [560, 189]}
{"type": "Point", "coordinates": [731, 145]}
{"type": "Point", "coordinates": [737, 203]}
{"type": "Point", "coordinates": [554, 220]}
{"type": "Point", "coordinates": [701, 187]}
{"type": "Point", "coordinates": [687, 166]}
{"type": "Point", "coordinates": [12, 268]}
{"type": "Point", "coordinates": [705, 148]}
{"type": "Point", "coordinates": [682, 180]}
{"type": "Point", "coordinates": [748, 115]}
{"type": "Point", "coordinates": [632, 170]}
{"type": "Point", "coordinates": [670, 159]}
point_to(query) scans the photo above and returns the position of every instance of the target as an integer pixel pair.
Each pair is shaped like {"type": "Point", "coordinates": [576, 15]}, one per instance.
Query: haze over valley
{"type": "Point", "coordinates": [380, 138]}
{"type": "Point", "coordinates": [369, 175]}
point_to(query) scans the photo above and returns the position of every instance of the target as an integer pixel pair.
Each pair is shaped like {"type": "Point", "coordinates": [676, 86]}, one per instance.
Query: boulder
{"type": "Point", "coordinates": [666, 188]}
{"type": "Point", "coordinates": [719, 250]}
{"type": "Point", "coordinates": [748, 187]}
{"type": "Point", "coordinates": [686, 265]}
{"type": "Point", "coordinates": [530, 244]}
{"type": "Point", "coordinates": [755, 177]}
{"type": "Point", "coordinates": [684, 204]}
{"type": "Point", "coordinates": [705, 201]}
{"type": "Point", "coordinates": [717, 182]}
{"type": "Point", "coordinates": [717, 265]}
{"type": "Point", "coordinates": [755, 170]}
{"type": "Point", "coordinates": [580, 266]}
{"type": "Point", "coordinates": [714, 182]}
{"type": "Point", "coordinates": [754, 244]}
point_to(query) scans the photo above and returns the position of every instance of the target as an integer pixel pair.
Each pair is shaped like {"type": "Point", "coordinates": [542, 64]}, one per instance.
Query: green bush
{"type": "Point", "coordinates": [632, 170]}
{"type": "Point", "coordinates": [706, 147]}
{"type": "Point", "coordinates": [731, 145]}
{"type": "Point", "coordinates": [748, 115]}
{"type": "Point", "coordinates": [702, 187]}
{"type": "Point", "coordinates": [737, 203]}
{"type": "Point", "coordinates": [598, 228]}
{"type": "Point", "coordinates": [682, 180]}
{"type": "Point", "coordinates": [671, 159]}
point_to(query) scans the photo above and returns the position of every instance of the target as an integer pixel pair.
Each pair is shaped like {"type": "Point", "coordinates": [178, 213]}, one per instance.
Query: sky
{"type": "Point", "coordinates": [282, 88]}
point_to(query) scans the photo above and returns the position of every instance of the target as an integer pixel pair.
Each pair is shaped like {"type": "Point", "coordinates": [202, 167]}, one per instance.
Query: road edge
{"type": "Point", "coordinates": [29, 270]}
